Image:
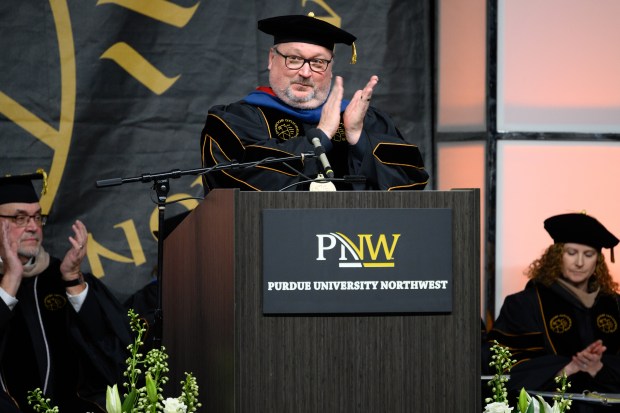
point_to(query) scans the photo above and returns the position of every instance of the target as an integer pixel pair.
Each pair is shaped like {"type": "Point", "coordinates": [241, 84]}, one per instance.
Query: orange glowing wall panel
{"type": "Point", "coordinates": [461, 68]}
{"type": "Point", "coordinates": [558, 66]}
{"type": "Point", "coordinates": [462, 165]}
{"type": "Point", "coordinates": [538, 179]}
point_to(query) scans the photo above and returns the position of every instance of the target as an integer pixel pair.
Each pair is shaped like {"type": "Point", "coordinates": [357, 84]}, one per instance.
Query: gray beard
{"type": "Point", "coordinates": [29, 252]}
{"type": "Point", "coordinates": [288, 97]}
{"type": "Point", "coordinates": [297, 102]}
{"type": "Point", "coordinates": [300, 103]}
{"type": "Point", "coordinates": [35, 265]}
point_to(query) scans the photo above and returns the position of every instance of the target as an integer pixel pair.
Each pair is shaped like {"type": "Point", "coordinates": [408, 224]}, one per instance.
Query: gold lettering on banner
{"type": "Point", "coordinates": [333, 18]}
{"type": "Point", "coordinates": [59, 140]}
{"type": "Point", "coordinates": [182, 199]}
{"type": "Point", "coordinates": [161, 10]}
{"type": "Point", "coordinates": [95, 250]}
{"type": "Point", "coordinates": [134, 63]}
{"type": "Point", "coordinates": [139, 68]}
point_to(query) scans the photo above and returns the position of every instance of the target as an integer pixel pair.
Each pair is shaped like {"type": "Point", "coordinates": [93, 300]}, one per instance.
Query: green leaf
{"type": "Point", "coordinates": [524, 400]}
{"type": "Point", "coordinates": [130, 401]}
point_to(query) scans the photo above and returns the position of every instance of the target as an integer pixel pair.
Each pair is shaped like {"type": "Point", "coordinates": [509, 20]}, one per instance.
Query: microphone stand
{"type": "Point", "coordinates": [161, 186]}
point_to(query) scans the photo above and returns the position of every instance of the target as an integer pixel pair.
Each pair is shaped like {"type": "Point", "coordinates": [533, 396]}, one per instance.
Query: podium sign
{"type": "Point", "coordinates": [306, 351]}
{"type": "Point", "coordinates": [357, 260]}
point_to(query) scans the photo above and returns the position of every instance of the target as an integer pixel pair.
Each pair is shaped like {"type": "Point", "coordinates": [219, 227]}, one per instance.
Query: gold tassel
{"type": "Point", "coordinates": [42, 172]}
{"type": "Point", "coordinates": [354, 51]}
{"type": "Point", "coordinates": [612, 254]}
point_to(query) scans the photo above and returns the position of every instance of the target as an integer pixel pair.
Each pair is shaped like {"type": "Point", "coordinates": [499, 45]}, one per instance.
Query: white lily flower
{"type": "Point", "coordinates": [113, 400]}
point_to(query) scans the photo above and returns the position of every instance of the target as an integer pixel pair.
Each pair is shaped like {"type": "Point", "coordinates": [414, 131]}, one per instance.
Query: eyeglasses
{"type": "Point", "coordinates": [297, 62]}
{"type": "Point", "coordinates": [21, 220]}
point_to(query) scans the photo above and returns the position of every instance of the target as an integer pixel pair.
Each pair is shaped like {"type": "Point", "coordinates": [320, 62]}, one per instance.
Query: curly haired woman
{"type": "Point", "coordinates": [566, 320]}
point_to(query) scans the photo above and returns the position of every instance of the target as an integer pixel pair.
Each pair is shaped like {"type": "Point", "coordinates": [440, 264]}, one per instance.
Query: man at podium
{"type": "Point", "coordinates": [357, 146]}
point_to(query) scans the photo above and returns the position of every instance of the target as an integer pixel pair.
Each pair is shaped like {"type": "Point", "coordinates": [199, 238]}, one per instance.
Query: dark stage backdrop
{"type": "Point", "coordinates": [92, 90]}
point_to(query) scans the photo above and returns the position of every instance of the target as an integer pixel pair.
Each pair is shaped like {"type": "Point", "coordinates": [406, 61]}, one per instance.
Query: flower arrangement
{"type": "Point", "coordinates": [502, 362]}
{"type": "Point", "coordinates": [146, 398]}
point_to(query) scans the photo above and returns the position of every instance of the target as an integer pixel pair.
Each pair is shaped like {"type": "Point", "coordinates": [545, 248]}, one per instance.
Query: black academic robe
{"type": "Point", "coordinates": [46, 344]}
{"type": "Point", "coordinates": [545, 326]}
{"type": "Point", "coordinates": [248, 133]}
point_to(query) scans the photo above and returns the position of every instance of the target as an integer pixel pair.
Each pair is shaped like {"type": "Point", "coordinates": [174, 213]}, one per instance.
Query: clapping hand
{"type": "Point", "coordinates": [13, 267]}
{"type": "Point", "coordinates": [587, 360]}
{"type": "Point", "coordinates": [70, 266]}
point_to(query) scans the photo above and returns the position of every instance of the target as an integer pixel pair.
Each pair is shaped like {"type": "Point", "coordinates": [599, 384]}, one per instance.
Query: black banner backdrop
{"type": "Point", "coordinates": [91, 90]}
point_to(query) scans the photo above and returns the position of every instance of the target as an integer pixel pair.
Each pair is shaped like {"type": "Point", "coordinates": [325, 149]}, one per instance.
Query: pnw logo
{"type": "Point", "coordinates": [367, 252]}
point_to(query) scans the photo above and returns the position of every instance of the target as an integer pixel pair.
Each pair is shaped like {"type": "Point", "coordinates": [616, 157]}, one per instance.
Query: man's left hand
{"type": "Point", "coordinates": [353, 117]}
{"type": "Point", "coordinates": [70, 266]}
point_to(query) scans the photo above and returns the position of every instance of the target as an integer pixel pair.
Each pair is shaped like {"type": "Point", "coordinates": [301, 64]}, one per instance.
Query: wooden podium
{"type": "Point", "coordinates": [246, 361]}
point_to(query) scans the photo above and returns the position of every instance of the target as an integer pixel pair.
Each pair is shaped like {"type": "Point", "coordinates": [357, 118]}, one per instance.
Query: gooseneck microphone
{"type": "Point", "coordinates": [319, 151]}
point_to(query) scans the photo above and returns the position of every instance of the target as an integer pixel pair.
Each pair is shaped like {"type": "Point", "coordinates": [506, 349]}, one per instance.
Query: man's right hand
{"type": "Point", "coordinates": [13, 268]}
{"type": "Point", "coordinates": [330, 114]}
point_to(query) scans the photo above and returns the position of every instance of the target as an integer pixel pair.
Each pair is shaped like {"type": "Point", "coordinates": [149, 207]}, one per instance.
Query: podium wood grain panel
{"type": "Point", "coordinates": [248, 362]}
